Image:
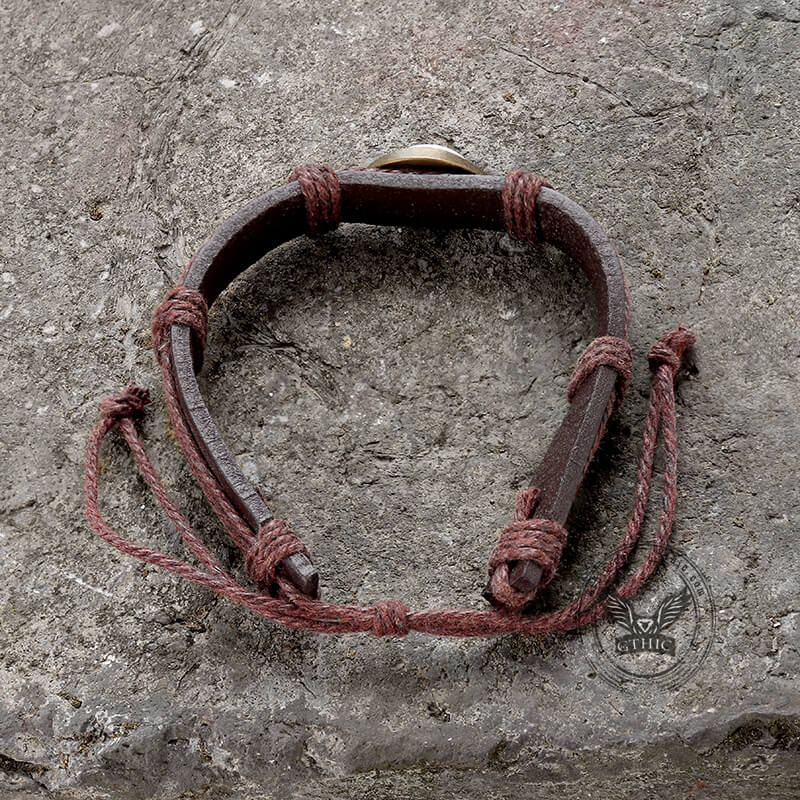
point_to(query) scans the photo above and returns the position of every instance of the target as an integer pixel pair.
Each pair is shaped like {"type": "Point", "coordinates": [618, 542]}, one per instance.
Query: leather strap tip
{"type": "Point", "coordinates": [524, 576]}
{"type": "Point", "coordinates": [304, 576]}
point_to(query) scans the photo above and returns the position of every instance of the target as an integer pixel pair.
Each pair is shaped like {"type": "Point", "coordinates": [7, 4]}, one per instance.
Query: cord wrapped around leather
{"type": "Point", "coordinates": [527, 537]}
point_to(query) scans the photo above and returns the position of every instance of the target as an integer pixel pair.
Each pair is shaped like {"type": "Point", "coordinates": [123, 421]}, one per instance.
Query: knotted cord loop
{"type": "Point", "coordinates": [520, 191]}
{"type": "Point", "coordinates": [669, 349]}
{"type": "Point", "coordinates": [609, 351]}
{"type": "Point", "coordinates": [526, 539]}
{"type": "Point", "coordinates": [390, 618]}
{"type": "Point", "coordinates": [273, 543]}
{"type": "Point", "coordinates": [182, 306]}
{"type": "Point", "coordinates": [128, 404]}
{"type": "Point", "coordinates": [322, 194]}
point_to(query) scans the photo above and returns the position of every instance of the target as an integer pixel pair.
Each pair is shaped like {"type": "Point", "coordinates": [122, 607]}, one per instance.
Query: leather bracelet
{"type": "Point", "coordinates": [434, 188]}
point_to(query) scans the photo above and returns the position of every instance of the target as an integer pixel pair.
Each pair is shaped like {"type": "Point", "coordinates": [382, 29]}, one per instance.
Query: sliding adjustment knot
{"type": "Point", "coordinates": [390, 618]}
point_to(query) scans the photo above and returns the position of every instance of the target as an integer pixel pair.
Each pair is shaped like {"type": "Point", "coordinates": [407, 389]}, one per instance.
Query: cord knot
{"type": "Point", "coordinates": [536, 540]}
{"type": "Point", "coordinates": [182, 306]}
{"type": "Point", "coordinates": [390, 618]}
{"type": "Point", "coordinates": [128, 404]}
{"type": "Point", "coordinates": [322, 194]}
{"type": "Point", "coordinates": [609, 351]}
{"type": "Point", "coordinates": [520, 192]}
{"type": "Point", "coordinates": [669, 349]}
{"type": "Point", "coordinates": [275, 542]}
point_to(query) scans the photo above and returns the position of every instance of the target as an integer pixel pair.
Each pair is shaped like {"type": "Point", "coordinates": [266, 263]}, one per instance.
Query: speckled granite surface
{"type": "Point", "coordinates": [390, 390]}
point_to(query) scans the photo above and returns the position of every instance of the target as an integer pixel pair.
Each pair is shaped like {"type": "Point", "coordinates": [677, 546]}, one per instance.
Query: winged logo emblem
{"type": "Point", "coordinates": [644, 633]}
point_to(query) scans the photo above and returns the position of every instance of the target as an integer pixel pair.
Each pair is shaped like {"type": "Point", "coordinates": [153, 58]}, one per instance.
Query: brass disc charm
{"type": "Point", "coordinates": [427, 156]}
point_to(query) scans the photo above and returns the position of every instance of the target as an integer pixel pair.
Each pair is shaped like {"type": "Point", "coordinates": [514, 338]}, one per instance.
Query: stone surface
{"type": "Point", "coordinates": [390, 390]}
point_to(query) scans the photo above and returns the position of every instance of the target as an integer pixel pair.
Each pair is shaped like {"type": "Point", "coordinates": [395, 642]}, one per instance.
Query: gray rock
{"type": "Point", "coordinates": [390, 389]}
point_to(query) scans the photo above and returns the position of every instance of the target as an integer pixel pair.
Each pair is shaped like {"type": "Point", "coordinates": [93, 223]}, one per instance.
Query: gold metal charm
{"type": "Point", "coordinates": [430, 156]}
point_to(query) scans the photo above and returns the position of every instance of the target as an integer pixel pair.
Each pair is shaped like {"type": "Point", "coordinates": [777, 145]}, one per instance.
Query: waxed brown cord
{"type": "Point", "coordinates": [264, 550]}
{"type": "Point", "coordinates": [391, 618]}
{"type": "Point", "coordinates": [527, 538]}
{"type": "Point", "coordinates": [296, 610]}
{"type": "Point", "coordinates": [182, 306]}
{"type": "Point", "coordinates": [322, 194]}
{"type": "Point", "coordinates": [275, 542]}
{"type": "Point", "coordinates": [520, 192]}
{"type": "Point", "coordinates": [128, 405]}
{"type": "Point", "coordinates": [609, 351]}
{"type": "Point", "coordinates": [278, 599]}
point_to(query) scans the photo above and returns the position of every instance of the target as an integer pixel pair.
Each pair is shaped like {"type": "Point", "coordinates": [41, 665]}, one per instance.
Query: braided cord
{"type": "Point", "coordinates": [527, 539]}
{"type": "Point", "coordinates": [290, 607]}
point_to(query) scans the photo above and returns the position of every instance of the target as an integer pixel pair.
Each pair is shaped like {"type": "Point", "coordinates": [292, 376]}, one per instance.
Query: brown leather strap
{"type": "Point", "coordinates": [424, 200]}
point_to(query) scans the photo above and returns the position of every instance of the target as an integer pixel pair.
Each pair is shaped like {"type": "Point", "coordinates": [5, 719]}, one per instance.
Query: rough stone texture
{"type": "Point", "coordinates": [390, 389]}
